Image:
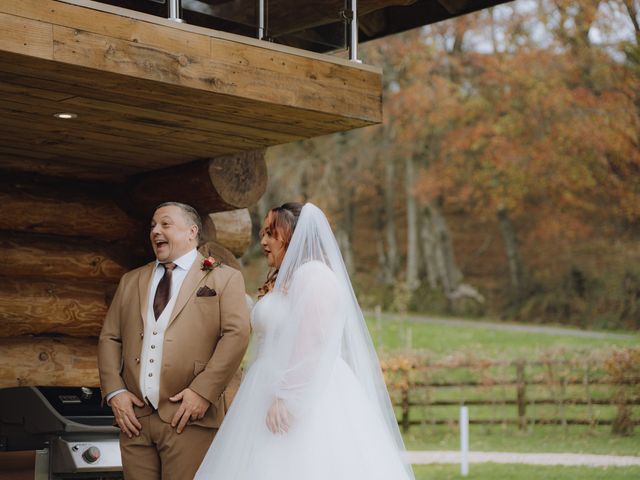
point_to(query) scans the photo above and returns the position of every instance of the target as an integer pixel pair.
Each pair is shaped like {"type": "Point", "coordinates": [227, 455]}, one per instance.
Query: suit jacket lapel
{"type": "Point", "coordinates": [191, 281]}
{"type": "Point", "coordinates": [144, 280]}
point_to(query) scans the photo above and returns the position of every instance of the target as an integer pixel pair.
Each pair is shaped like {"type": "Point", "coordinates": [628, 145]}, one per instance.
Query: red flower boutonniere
{"type": "Point", "coordinates": [209, 264]}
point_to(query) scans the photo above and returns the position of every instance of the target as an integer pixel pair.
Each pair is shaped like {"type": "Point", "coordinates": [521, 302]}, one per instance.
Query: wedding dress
{"type": "Point", "coordinates": [313, 353]}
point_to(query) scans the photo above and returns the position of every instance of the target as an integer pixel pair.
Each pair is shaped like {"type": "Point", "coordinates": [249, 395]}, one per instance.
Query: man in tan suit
{"type": "Point", "coordinates": [172, 340]}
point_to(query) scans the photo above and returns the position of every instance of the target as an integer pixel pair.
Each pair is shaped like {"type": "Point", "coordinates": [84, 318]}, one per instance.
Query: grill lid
{"type": "Point", "coordinates": [31, 415]}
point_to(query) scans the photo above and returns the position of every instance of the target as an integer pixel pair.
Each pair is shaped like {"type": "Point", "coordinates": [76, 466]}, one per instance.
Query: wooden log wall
{"type": "Point", "coordinates": [67, 243]}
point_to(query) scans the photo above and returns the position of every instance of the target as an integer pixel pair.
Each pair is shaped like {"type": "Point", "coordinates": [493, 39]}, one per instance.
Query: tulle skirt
{"type": "Point", "coordinates": [340, 438]}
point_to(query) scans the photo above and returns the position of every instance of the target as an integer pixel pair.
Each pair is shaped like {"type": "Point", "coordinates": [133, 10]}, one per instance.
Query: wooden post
{"type": "Point", "coordinates": [521, 395]}
{"type": "Point", "coordinates": [504, 396]}
{"type": "Point", "coordinates": [552, 388]}
{"type": "Point", "coordinates": [563, 401]}
{"type": "Point", "coordinates": [587, 390]}
{"type": "Point", "coordinates": [405, 403]}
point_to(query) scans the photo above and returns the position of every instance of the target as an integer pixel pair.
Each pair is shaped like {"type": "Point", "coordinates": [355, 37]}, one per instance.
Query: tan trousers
{"type": "Point", "coordinates": [160, 453]}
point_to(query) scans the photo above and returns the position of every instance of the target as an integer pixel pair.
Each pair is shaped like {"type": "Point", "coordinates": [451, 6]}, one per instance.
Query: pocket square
{"type": "Point", "coordinates": [206, 292]}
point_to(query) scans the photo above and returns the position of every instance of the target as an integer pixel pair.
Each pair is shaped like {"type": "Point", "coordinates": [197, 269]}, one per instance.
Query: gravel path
{"type": "Point", "coordinates": [505, 326]}
{"type": "Point", "coordinates": [567, 459]}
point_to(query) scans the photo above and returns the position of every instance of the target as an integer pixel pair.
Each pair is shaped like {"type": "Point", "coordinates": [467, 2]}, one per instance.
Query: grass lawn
{"type": "Point", "coordinates": [442, 340]}
{"type": "Point", "coordinates": [543, 438]}
{"type": "Point", "coordinates": [492, 471]}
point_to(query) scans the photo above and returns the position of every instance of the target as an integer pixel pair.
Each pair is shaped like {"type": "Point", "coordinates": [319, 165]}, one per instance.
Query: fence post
{"type": "Point", "coordinates": [464, 441]}
{"type": "Point", "coordinates": [405, 403]}
{"type": "Point", "coordinates": [563, 401]}
{"type": "Point", "coordinates": [521, 395]}
{"type": "Point", "coordinates": [586, 381]}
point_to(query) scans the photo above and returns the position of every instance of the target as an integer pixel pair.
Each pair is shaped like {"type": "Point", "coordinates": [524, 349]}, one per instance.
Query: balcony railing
{"type": "Point", "coordinates": [323, 26]}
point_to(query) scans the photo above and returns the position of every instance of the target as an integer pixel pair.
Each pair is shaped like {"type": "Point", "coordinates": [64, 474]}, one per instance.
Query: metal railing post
{"type": "Point", "coordinates": [261, 15]}
{"type": "Point", "coordinates": [353, 37]}
{"type": "Point", "coordinates": [174, 10]}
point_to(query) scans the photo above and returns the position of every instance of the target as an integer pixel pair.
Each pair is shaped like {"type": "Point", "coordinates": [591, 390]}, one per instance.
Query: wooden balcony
{"type": "Point", "coordinates": [150, 93]}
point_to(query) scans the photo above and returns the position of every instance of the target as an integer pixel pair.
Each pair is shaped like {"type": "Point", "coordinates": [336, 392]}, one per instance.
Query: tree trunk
{"type": "Point", "coordinates": [341, 169]}
{"type": "Point", "coordinates": [513, 254]}
{"type": "Point", "coordinates": [429, 249]}
{"type": "Point", "coordinates": [634, 16]}
{"type": "Point", "coordinates": [344, 233]}
{"type": "Point", "coordinates": [345, 247]}
{"type": "Point", "coordinates": [381, 255]}
{"type": "Point", "coordinates": [449, 275]}
{"type": "Point", "coordinates": [413, 281]}
{"type": "Point", "coordinates": [391, 254]}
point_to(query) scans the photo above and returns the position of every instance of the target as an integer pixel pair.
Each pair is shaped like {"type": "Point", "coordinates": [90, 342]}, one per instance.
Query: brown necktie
{"type": "Point", "coordinates": [163, 292]}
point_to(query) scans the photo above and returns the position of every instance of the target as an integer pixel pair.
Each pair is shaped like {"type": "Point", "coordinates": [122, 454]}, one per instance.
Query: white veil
{"type": "Point", "coordinates": [321, 321]}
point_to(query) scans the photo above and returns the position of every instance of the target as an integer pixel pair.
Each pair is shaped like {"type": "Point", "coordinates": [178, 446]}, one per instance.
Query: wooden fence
{"type": "Point", "coordinates": [522, 393]}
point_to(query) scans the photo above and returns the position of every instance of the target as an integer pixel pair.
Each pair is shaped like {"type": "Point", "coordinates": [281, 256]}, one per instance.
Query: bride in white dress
{"type": "Point", "coordinates": [313, 404]}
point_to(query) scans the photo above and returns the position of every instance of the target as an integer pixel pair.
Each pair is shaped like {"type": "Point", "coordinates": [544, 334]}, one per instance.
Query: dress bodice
{"type": "Point", "coordinates": [263, 318]}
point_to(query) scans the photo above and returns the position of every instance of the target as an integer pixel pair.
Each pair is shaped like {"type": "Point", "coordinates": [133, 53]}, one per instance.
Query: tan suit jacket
{"type": "Point", "coordinates": [204, 342]}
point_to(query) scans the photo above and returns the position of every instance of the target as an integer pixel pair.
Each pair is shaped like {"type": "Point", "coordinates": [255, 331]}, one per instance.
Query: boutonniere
{"type": "Point", "coordinates": [209, 264]}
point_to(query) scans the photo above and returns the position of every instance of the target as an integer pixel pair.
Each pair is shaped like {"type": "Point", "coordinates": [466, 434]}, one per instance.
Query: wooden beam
{"type": "Point", "coordinates": [67, 259]}
{"type": "Point", "coordinates": [14, 161]}
{"type": "Point", "coordinates": [224, 183]}
{"type": "Point", "coordinates": [29, 306]}
{"type": "Point", "coordinates": [230, 229]}
{"type": "Point", "coordinates": [205, 63]}
{"type": "Point", "coordinates": [60, 361]}
{"type": "Point", "coordinates": [152, 94]}
{"type": "Point", "coordinates": [26, 36]}
{"type": "Point", "coordinates": [65, 208]}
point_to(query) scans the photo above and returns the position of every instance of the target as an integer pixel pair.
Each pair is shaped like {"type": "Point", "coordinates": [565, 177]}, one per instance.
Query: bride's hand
{"type": "Point", "coordinates": [278, 417]}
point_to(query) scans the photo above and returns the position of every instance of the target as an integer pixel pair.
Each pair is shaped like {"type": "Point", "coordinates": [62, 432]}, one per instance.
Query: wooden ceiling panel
{"type": "Point", "coordinates": [149, 93]}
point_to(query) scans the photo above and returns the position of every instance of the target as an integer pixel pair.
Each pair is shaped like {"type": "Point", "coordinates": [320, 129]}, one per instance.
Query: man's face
{"type": "Point", "coordinates": [171, 234]}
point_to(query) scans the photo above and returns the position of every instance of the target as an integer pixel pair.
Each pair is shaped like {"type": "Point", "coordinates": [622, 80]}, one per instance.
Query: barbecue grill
{"type": "Point", "coordinates": [68, 427]}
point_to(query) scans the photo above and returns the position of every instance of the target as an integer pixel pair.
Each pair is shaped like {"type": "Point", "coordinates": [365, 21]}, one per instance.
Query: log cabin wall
{"type": "Point", "coordinates": [66, 244]}
{"type": "Point", "coordinates": [163, 112]}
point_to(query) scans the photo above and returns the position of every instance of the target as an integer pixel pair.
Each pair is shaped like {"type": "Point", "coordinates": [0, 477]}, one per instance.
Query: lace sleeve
{"type": "Point", "coordinates": [310, 341]}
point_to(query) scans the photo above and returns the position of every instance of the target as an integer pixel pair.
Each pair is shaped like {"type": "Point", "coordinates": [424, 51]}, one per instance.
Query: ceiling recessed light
{"type": "Point", "coordinates": [65, 115]}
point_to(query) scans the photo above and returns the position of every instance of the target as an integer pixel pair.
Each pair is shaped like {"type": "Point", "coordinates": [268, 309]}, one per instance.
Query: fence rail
{"type": "Point", "coordinates": [584, 385]}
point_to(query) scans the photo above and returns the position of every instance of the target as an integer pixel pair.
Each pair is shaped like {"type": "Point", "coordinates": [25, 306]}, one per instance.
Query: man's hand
{"type": "Point", "coordinates": [122, 406]}
{"type": "Point", "coordinates": [193, 407]}
{"type": "Point", "coordinates": [278, 417]}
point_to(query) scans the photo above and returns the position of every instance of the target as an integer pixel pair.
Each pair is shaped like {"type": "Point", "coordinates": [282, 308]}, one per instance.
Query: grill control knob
{"type": "Point", "coordinates": [87, 393]}
{"type": "Point", "coordinates": [91, 454]}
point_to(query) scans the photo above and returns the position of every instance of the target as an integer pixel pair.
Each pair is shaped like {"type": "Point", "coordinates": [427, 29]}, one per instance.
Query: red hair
{"type": "Point", "coordinates": [281, 222]}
